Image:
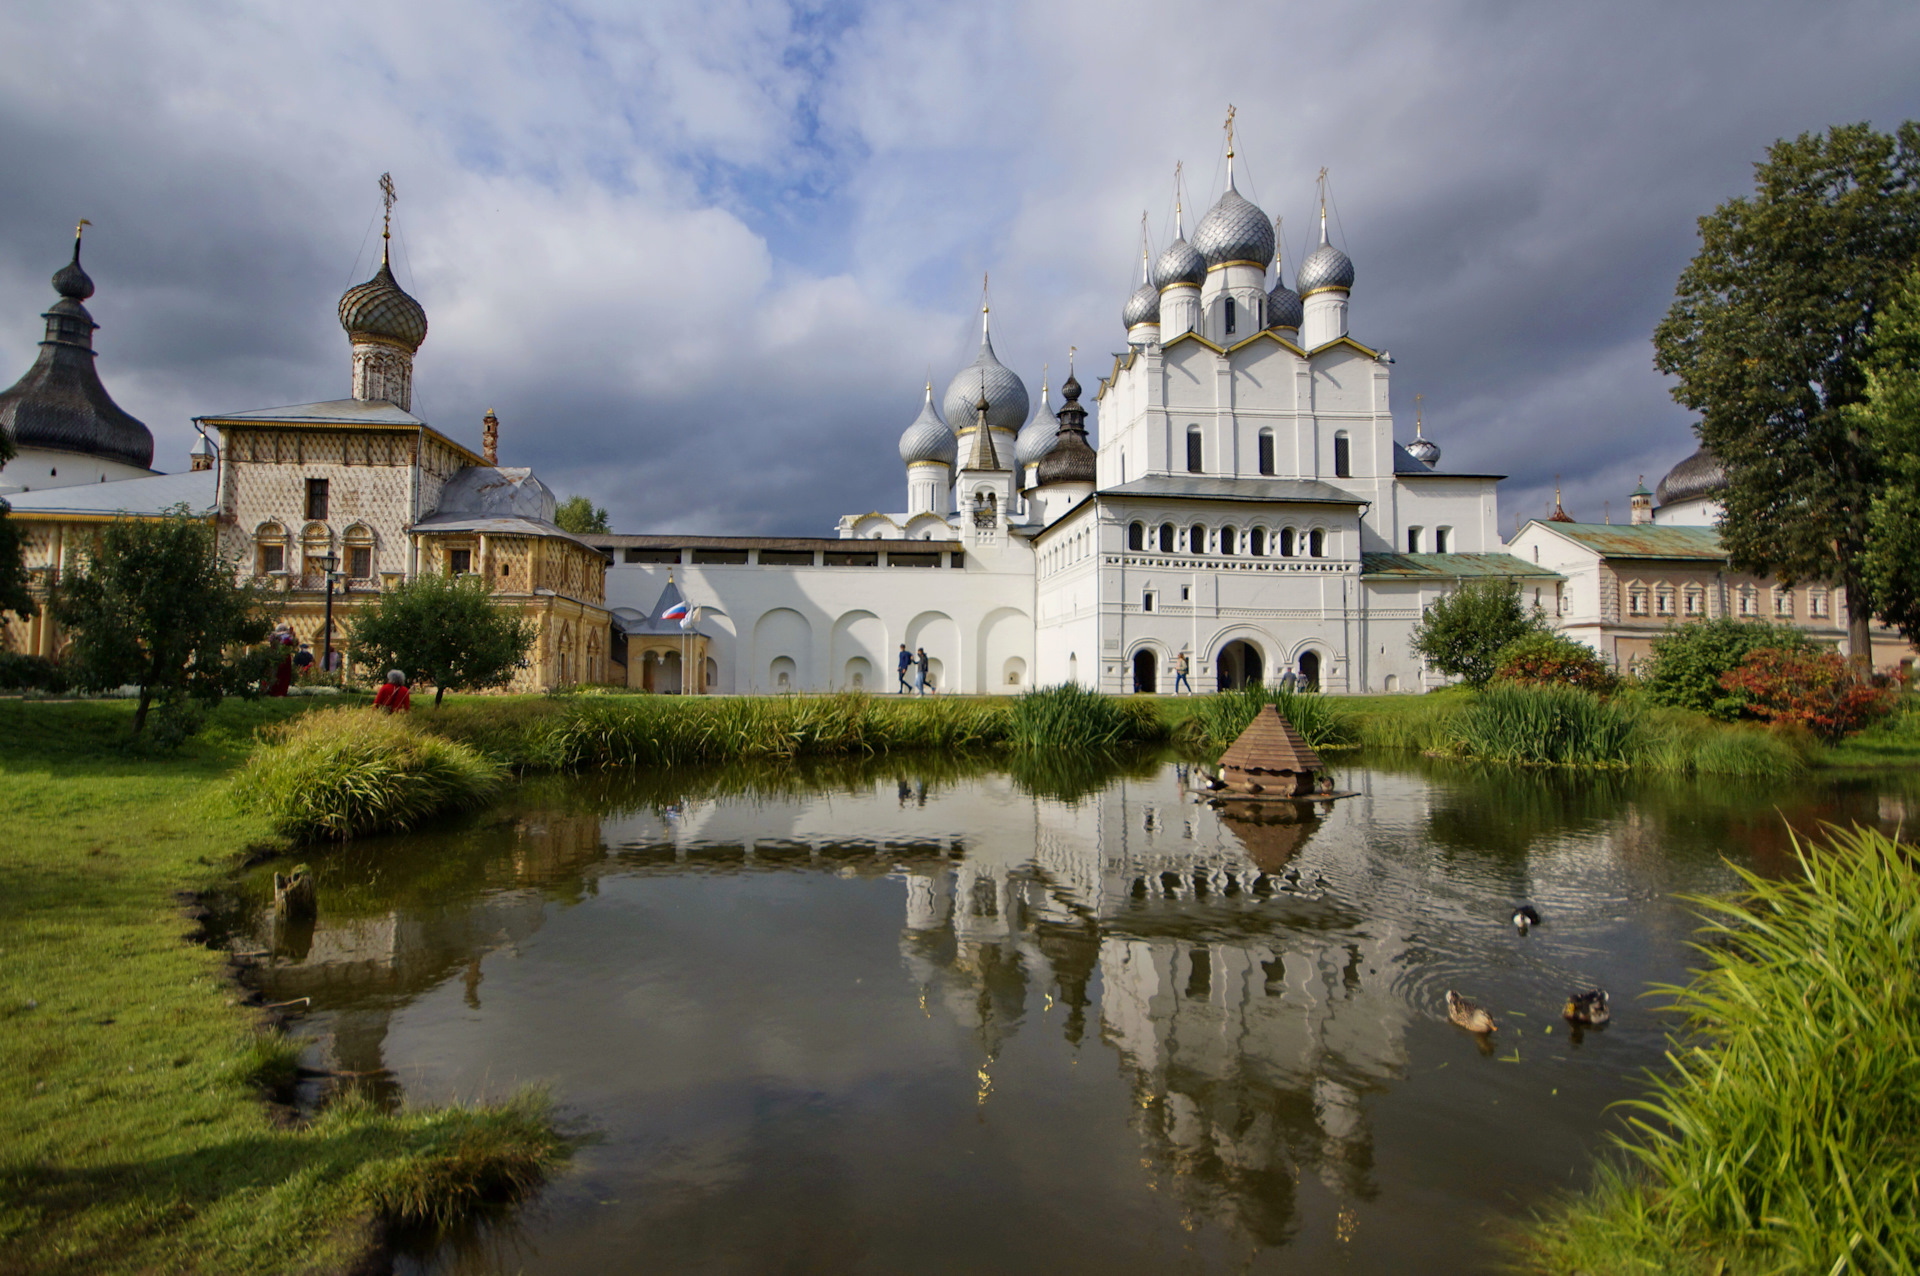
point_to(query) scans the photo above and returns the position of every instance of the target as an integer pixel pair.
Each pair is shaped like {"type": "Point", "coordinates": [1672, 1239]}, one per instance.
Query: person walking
{"type": "Point", "coordinates": [920, 672]}
{"type": "Point", "coordinates": [303, 661]}
{"type": "Point", "coordinates": [393, 695]}
{"type": "Point", "coordinates": [906, 663]}
{"type": "Point", "coordinates": [1180, 673]}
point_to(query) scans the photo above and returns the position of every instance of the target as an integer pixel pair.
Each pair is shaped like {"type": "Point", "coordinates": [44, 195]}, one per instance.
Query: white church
{"type": "Point", "coordinates": [1247, 506]}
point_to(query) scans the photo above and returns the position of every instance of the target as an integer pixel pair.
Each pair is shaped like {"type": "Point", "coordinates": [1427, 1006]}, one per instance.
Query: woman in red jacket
{"type": "Point", "coordinates": [393, 695]}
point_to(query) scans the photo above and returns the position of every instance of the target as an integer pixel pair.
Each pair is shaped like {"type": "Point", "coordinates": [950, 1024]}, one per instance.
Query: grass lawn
{"type": "Point", "coordinates": [132, 1133]}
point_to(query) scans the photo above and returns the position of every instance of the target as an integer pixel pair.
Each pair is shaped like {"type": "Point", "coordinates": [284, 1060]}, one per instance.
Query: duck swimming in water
{"type": "Point", "coordinates": [1525, 918]}
{"type": "Point", "coordinates": [1589, 1008]}
{"type": "Point", "coordinates": [1467, 1015]}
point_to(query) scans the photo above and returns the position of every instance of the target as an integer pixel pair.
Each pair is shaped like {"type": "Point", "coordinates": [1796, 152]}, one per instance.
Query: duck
{"type": "Point", "coordinates": [1525, 917]}
{"type": "Point", "coordinates": [1213, 784]}
{"type": "Point", "coordinates": [1467, 1015]}
{"type": "Point", "coordinates": [1588, 1008]}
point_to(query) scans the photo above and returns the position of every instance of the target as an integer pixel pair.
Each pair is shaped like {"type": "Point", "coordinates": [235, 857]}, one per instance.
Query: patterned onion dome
{"type": "Point", "coordinates": [1179, 264]}
{"type": "Point", "coordinates": [1325, 267]}
{"type": "Point", "coordinates": [1702, 474]}
{"type": "Point", "coordinates": [1037, 439]}
{"type": "Point", "coordinates": [1142, 307]}
{"type": "Point", "coordinates": [1006, 393]}
{"type": "Point", "coordinates": [1425, 451]}
{"type": "Point", "coordinates": [928, 438]}
{"type": "Point", "coordinates": [380, 307]}
{"type": "Point", "coordinates": [1283, 307]}
{"type": "Point", "coordinates": [1234, 230]}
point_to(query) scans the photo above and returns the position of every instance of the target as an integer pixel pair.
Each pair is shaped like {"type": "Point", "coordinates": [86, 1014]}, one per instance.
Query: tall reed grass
{"type": "Point", "coordinates": [1217, 720]}
{"type": "Point", "coordinates": [1785, 1135]}
{"type": "Point", "coordinates": [1545, 726]}
{"type": "Point", "coordinates": [340, 773]}
{"type": "Point", "coordinates": [1073, 719]}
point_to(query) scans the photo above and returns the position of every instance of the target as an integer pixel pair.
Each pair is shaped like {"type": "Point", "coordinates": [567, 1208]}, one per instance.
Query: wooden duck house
{"type": "Point", "coordinates": [1270, 759]}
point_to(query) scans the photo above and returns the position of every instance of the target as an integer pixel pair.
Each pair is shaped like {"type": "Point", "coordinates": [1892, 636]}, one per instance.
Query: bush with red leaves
{"type": "Point", "coordinates": [1813, 689]}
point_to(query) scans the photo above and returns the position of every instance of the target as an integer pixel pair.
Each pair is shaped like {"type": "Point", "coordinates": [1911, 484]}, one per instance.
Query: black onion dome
{"type": "Point", "coordinates": [60, 404]}
{"type": "Point", "coordinates": [1702, 474]}
{"type": "Point", "coordinates": [1071, 459]}
{"type": "Point", "coordinates": [381, 308]}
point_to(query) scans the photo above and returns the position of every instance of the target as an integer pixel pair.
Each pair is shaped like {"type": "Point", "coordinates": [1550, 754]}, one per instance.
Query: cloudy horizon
{"type": "Point", "coordinates": [701, 262]}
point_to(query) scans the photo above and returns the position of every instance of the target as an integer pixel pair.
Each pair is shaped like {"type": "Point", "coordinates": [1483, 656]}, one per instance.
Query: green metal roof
{"type": "Point", "coordinates": [1440, 567]}
{"type": "Point", "coordinates": [1644, 540]}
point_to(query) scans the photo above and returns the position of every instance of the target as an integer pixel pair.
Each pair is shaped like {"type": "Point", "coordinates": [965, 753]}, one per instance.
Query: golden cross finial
{"type": "Point", "coordinates": [79, 226]}
{"type": "Point", "coordinates": [1071, 351]}
{"type": "Point", "coordinates": [1229, 127]}
{"type": "Point", "coordinates": [387, 196]}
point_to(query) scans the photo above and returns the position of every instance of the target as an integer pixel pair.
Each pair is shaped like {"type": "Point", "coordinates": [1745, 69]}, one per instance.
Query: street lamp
{"type": "Point", "coordinates": [330, 561]}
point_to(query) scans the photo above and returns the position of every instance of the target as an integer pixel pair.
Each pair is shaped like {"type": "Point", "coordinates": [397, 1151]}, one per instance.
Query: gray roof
{"type": "Point", "coordinates": [632, 622]}
{"type": "Point", "coordinates": [155, 495]}
{"type": "Point", "coordinates": [928, 438]}
{"type": "Point", "coordinates": [1212, 488]}
{"type": "Point", "coordinates": [1701, 474]}
{"type": "Point", "coordinates": [1325, 267]}
{"type": "Point", "coordinates": [497, 491]}
{"type": "Point", "coordinates": [1005, 392]}
{"type": "Point", "coordinates": [1234, 229]}
{"type": "Point", "coordinates": [1179, 264]}
{"type": "Point", "coordinates": [332, 412]}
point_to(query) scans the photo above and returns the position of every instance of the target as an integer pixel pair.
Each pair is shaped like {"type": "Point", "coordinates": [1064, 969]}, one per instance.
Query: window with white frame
{"type": "Point", "coordinates": [1749, 601]}
{"type": "Point", "coordinates": [1636, 600]}
{"type": "Point", "coordinates": [1694, 601]}
{"type": "Point", "coordinates": [1817, 603]}
{"type": "Point", "coordinates": [1783, 602]}
{"type": "Point", "coordinates": [1663, 601]}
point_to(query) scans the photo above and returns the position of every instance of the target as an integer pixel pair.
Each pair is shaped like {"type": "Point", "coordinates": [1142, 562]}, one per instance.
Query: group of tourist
{"type": "Point", "coordinates": [914, 664]}
{"type": "Point", "coordinates": [296, 661]}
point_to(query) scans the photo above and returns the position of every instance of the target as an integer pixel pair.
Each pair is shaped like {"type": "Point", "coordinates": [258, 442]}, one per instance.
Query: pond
{"type": "Point", "coordinates": [911, 1017]}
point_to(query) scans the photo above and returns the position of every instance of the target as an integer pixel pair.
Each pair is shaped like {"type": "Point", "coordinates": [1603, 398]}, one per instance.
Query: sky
{"type": "Point", "coordinates": [702, 258]}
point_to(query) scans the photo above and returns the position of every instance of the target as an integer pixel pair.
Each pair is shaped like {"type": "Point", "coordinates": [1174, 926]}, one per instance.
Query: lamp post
{"type": "Point", "coordinates": [330, 561]}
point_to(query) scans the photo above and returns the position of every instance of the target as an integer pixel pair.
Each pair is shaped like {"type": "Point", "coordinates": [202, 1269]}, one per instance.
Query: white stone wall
{"type": "Point", "coordinates": [39, 469]}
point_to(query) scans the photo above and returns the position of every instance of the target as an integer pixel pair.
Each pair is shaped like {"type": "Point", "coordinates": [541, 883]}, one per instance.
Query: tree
{"type": "Point", "coordinates": [1689, 662]}
{"type": "Point", "coordinates": [1463, 632]}
{"type": "Point", "coordinates": [581, 516]}
{"type": "Point", "coordinates": [155, 606]}
{"type": "Point", "coordinates": [1890, 418]}
{"type": "Point", "coordinates": [15, 597]}
{"type": "Point", "coordinates": [446, 628]}
{"type": "Point", "coordinates": [1767, 334]}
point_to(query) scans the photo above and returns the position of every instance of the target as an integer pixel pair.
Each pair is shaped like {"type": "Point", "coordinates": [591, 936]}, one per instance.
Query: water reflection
{"type": "Point", "coordinates": [928, 1017]}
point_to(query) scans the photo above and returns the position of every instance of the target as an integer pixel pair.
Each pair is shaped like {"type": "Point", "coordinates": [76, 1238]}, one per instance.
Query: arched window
{"type": "Point", "coordinates": [1166, 538]}
{"type": "Point", "coordinates": [1193, 449]}
{"type": "Point", "coordinates": [1443, 540]}
{"type": "Point", "coordinates": [1413, 540]}
{"type": "Point", "coordinates": [1342, 455]}
{"type": "Point", "coordinates": [1230, 314]}
{"type": "Point", "coordinates": [1266, 451]}
{"type": "Point", "coordinates": [1136, 536]}
{"type": "Point", "coordinates": [316, 541]}
{"type": "Point", "coordinates": [1196, 539]}
{"type": "Point", "coordinates": [359, 556]}
{"type": "Point", "coordinates": [270, 548]}
{"type": "Point", "coordinates": [1286, 542]}
{"type": "Point", "coordinates": [1229, 541]}
{"type": "Point", "coordinates": [1317, 543]}
{"type": "Point", "coordinates": [1257, 542]}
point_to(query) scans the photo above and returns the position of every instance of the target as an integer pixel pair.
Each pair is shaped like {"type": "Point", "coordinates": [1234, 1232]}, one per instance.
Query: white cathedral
{"type": "Point", "coordinates": [1247, 506]}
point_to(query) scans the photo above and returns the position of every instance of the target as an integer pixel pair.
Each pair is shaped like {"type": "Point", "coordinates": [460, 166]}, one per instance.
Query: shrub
{"type": "Point", "coordinates": [1688, 661]}
{"type": "Point", "coordinates": [1217, 721]}
{"type": "Point", "coordinates": [1542, 659]}
{"type": "Point", "coordinates": [340, 773]}
{"type": "Point", "coordinates": [1073, 719]}
{"type": "Point", "coordinates": [1546, 726]}
{"type": "Point", "coordinates": [1463, 632]}
{"type": "Point", "coordinates": [1816, 690]}
{"type": "Point", "coordinates": [21, 672]}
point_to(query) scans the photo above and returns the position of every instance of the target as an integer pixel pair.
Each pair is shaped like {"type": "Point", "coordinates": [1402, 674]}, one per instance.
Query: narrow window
{"type": "Point", "coordinates": [1266, 451]}
{"type": "Point", "coordinates": [317, 499]}
{"type": "Point", "coordinates": [1342, 456]}
{"type": "Point", "coordinates": [1443, 540]}
{"type": "Point", "coordinates": [273, 558]}
{"type": "Point", "coordinates": [1286, 543]}
{"type": "Point", "coordinates": [1257, 542]}
{"type": "Point", "coordinates": [1193, 450]}
{"type": "Point", "coordinates": [459, 561]}
{"type": "Point", "coordinates": [1166, 538]}
{"type": "Point", "coordinates": [1196, 539]}
{"type": "Point", "coordinates": [1186, 593]}
{"type": "Point", "coordinates": [1230, 314]}
{"type": "Point", "coordinates": [1413, 540]}
{"type": "Point", "coordinates": [1136, 536]}
{"type": "Point", "coordinates": [1316, 543]}
{"type": "Point", "coordinates": [360, 562]}
{"type": "Point", "coordinates": [1229, 541]}
{"type": "Point", "coordinates": [1146, 601]}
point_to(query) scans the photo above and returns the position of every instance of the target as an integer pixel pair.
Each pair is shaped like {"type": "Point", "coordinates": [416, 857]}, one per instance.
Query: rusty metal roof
{"type": "Point", "coordinates": [1644, 540]}
{"type": "Point", "coordinates": [1442, 567]}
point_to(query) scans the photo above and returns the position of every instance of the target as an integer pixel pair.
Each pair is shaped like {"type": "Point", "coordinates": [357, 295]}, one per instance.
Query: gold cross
{"type": "Point", "coordinates": [387, 197]}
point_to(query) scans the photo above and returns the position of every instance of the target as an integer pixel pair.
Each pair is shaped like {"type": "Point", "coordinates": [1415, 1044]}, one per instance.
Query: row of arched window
{"type": "Point", "coordinates": [1228, 541]}
{"type": "Point", "coordinates": [277, 551]}
{"type": "Point", "coordinates": [1661, 599]}
{"type": "Point", "coordinates": [1196, 453]}
{"type": "Point", "coordinates": [1071, 549]}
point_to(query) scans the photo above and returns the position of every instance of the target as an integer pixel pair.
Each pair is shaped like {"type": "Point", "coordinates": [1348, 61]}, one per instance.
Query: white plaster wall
{"type": "Point", "coordinates": [41, 469]}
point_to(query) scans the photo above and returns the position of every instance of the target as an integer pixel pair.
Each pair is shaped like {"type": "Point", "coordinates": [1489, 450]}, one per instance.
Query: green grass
{"type": "Point", "coordinates": [132, 1135]}
{"type": "Point", "coordinates": [1216, 721]}
{"type": "Point", "coordinates": [1785, 1134]}
{"type": "Point", "coordinates": [336, 773]}
{"type": "Point", "coordinates": [1545, 726]}
{"type": "Point", "coordinates": [1892, 741]}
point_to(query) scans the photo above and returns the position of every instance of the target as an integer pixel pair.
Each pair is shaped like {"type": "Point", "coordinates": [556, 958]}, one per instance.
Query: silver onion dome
{"type": "Point", "coordinates": [1179, 264]}
{"type": "Point", "coordinates": [1234, 230]}
{"type": "Point", "coordinates": [1425, 451]}
{"type": "Point", "coordinates": [1142, 307]}
{"type": "Point", "coordinates": [1005, 392]}
{"type": "Point", "coordinates": [1325, 267]}
{"type": "Point", "coordinates": [1283, 307]}
{"type": "Point", "coordinates": [381, 308]}
{"type": "Point", "coordinates": [929, 438]}
{"type": "Point", "coordinates": [1702, 474]}
{"type": "Point", "coordinates": [1037, 439]}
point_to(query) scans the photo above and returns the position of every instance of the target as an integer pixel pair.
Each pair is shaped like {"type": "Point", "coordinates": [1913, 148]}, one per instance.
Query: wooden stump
{"type": "Point", "coordinates": [295, 897]}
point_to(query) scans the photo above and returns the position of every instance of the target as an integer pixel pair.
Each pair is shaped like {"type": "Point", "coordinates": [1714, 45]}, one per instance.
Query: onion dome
{"type": "Point", "coordinates": [1283, 307]}
{"type": "Point", "coordinates": [1234, 230]}
{"type": "Point", "coordinates": [60, 404]}
{"type": "Point", "coordinates": [1142, 307]}
{"type": "Point", "coordinates": [1071, 459]}
{"type": "Point", "coordinates": [1425, 451]}
{"type": "Point", "coordinates": [1701, 475]}
{"type": "Point", "coordinates": [1179, 264]}
{"type": "Point", "coordinates": [381, 309]}
{"type": "Point", "coordinates": [928, 438]}
{"type": "Point", "coordinates": [1325, 267]}
{"type": "Point", "coordinates": [1037, 439]}
{"type": "Point", "coordinates": [986, 377]}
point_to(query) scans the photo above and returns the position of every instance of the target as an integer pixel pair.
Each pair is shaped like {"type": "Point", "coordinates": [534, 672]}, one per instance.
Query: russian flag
{"type": "Point", "coordinates": [676, 612]}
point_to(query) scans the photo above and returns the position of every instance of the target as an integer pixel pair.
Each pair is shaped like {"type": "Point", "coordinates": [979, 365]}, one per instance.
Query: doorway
{"type": "Point", "coordinates": [1146, 668]}
{"type": "Point", "coordinates": [1238, 665]}
{"type": "Point", "coordinates": [1309, 671]}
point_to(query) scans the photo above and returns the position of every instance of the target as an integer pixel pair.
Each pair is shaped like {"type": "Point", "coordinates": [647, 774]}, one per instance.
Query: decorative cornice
{"type": "Point", "coordinates": [1315, 292]}
{"type": "Point", "coordinates": [1260, 266]}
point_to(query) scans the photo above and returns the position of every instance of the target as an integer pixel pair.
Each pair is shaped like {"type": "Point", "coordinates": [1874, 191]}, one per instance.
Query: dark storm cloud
{"type": "Point", "coordinates": [702, 261]}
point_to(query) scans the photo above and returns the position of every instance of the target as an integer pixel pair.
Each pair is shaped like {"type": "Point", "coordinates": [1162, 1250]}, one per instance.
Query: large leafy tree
{"type": "Point", "coordinates": [15, 597]}
{"type": "Point", "coordinates": [1890, 418]}
{"type": "Point", "coordinates": [1462, 632]}
{"type": "Point", "coordinates": [581, 516]}
{"type": "Point", "coordinates": [446, 628]}
{"type": "Point", "coordinates": [154, 606]}
{"type": "Point", "coordinates": [1767, 335]}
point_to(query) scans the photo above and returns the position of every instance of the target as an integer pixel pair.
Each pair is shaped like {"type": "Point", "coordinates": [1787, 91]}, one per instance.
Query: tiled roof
{"type": "Point", "coordinates": [333, 412]}
{"type": "Point", "coordinates": [1644, 540]}
{"type": "Point", "coordinates": [1439, 567]}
